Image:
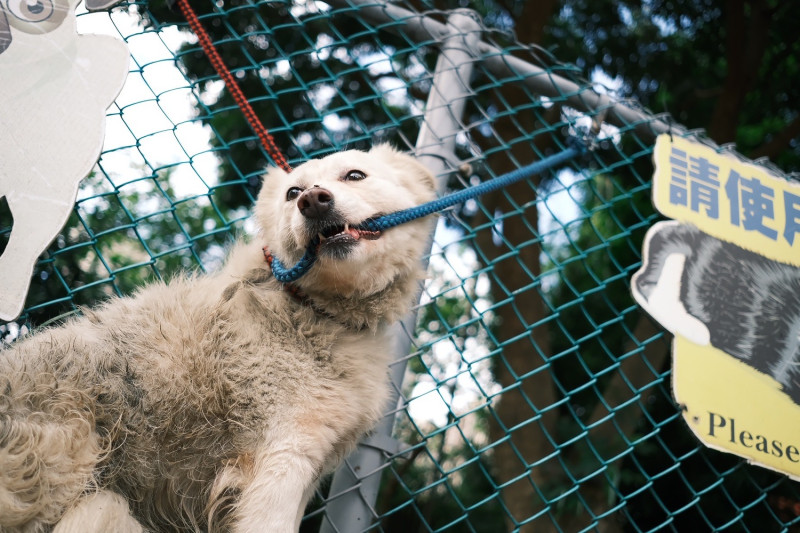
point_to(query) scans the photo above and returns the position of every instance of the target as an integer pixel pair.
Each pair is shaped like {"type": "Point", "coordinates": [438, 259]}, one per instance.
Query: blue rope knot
{"type": "Point", "coordinates": [288, 275]}
{"type": "Point", "coordinates": [575, 148]}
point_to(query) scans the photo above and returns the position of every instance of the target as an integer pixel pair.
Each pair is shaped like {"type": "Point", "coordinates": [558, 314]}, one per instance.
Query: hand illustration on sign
{"type": "Point", "coordinates": [56, 86]}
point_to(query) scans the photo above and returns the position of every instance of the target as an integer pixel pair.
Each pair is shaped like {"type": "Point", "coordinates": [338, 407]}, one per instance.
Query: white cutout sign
{"type": "Point", "coordinates": [55, 86]}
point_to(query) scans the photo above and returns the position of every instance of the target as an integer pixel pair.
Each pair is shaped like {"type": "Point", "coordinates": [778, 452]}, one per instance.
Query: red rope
{"type": "Point", "coordinates": [267, 141]}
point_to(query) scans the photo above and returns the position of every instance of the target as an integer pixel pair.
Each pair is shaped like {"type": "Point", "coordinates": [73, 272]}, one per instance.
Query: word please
{"type": "Point", "coordinates": [722, 427]}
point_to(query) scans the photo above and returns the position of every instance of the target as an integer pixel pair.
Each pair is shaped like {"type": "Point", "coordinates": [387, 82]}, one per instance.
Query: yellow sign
{"type": "Point", "coordinates": [727, 198]}
{"type": "Point", "coordinates": [724, 278]}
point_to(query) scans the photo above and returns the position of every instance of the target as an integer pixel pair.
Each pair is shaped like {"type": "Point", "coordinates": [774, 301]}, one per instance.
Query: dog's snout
{"type": "Point", "coordinates": [315, 202]}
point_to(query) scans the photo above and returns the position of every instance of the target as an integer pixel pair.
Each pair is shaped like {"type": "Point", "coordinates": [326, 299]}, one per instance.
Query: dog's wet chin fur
{"type": "Point", "coordinates": [216, 402]}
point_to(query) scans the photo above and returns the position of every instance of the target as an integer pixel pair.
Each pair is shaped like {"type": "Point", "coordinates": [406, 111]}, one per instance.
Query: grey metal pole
{"type": "Point", "coordinates": [421, 28]}
{"type": "Point", "coordinates": [355, 485]}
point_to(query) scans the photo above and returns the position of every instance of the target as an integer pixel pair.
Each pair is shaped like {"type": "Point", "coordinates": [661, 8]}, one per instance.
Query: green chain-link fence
{"type": "Point", "coordinates": [536, 394]}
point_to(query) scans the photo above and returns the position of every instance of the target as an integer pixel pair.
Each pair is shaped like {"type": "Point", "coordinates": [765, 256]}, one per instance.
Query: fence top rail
{"type": "Point", "coordinates": [423, 28]}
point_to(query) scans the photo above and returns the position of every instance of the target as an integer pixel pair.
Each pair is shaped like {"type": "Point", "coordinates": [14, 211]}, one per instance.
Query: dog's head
{"type": "Point", "coordinates": [328, 198]}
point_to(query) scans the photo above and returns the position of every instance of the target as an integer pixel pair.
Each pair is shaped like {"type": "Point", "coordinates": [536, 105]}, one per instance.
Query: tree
{"type": "Point", "coordinates": [727, 67]}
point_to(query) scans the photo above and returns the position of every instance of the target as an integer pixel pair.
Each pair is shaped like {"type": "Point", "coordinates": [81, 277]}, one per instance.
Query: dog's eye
{"type": "Point", "coordinates": [293, 193]}
{"type": "Point", "coordinates": [354, 175]}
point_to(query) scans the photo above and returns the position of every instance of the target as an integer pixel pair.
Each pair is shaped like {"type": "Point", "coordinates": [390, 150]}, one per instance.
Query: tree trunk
{"type": "Point", "coordinates": [745, 46]}
{"type": "Point", "coordinates": [524, 416]}
{"type": "Point", "coordinates": [524, 421]}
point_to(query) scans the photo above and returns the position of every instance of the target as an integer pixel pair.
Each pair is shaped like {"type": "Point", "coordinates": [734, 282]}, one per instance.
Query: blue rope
{"type": "Point", "coordinates": [391, 220]}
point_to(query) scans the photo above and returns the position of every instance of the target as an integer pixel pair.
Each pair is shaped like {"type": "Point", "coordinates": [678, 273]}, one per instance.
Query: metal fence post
{"type": "Point", "coordinates": [355, 485]}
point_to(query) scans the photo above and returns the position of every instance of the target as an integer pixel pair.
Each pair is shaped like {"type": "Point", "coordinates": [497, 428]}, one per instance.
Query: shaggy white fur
{"type": "Point", "coordinates": [217, 402]}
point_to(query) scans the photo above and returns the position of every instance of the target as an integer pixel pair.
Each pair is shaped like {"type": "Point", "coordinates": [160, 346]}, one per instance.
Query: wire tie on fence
{"type": "Point", "coordinates": [575, 148]}
{"type": "Point", "coordinates": [596, 128]}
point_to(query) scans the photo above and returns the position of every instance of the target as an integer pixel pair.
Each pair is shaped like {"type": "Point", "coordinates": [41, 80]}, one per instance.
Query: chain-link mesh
{"type": "Point", "coordinates": [537, 393]}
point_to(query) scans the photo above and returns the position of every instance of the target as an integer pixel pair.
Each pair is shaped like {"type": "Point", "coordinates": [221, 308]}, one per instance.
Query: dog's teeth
{"type": "Point", "coordinates": [321, 237]}
{"type": "Point", "coordinates": [346, 228]}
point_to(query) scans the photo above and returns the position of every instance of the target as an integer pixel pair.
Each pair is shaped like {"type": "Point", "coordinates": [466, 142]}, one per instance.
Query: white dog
{"type": "Point", "coordinates": [217, 402]}
{"type": "Point", "coordinates": [55, 89]}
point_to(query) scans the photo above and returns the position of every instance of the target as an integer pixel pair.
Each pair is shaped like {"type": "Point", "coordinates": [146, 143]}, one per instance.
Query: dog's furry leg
{"type": "Point", "coordinates": [302, 508]}
{"type": "Point", "coordinates": [272, 502]}
{"type": "Point", "coordinates": [282, 481]}
{"type": "Point", "coordinates": [48, 447]}
{"type": "Point", "coordinates": [99, 512]}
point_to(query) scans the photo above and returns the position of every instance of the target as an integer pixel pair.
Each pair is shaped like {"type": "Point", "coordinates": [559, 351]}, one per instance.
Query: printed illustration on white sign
{"type": "Point", "coordinates": [56, 86]}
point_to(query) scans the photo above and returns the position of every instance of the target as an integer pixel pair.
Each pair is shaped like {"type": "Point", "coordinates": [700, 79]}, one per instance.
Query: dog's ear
{"type": "Point", "coordinates": [384, 150]}
{"type": "Point", "coordinates": [407, 164]}
{"type": "Point", "coordinates": [271, 181]}
{"type": "Point", "coordinates": [270, 197]}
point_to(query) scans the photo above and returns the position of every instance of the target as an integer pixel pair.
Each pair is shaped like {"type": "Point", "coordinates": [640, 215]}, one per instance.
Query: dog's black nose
{"type": "Point", "coordinates": [315, 202]}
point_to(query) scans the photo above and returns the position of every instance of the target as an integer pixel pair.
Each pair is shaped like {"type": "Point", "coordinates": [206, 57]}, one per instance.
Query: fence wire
{"type": "Point", "coordinates": [536, 395]}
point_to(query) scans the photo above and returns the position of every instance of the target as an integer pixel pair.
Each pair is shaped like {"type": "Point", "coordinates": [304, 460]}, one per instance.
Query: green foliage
{"type": "Point", "coordinates": [591, 299]}
{"type": "Point", "coordinates": [684, 56]}
{"type": "Point", "coordinates": [121, 237]}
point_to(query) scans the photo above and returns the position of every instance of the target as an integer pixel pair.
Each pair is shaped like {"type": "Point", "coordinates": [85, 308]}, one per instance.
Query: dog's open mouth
{"type": "Point", "coordinates": [338, 239]}
{"type": "Point", "coordinates": [346, 232]}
